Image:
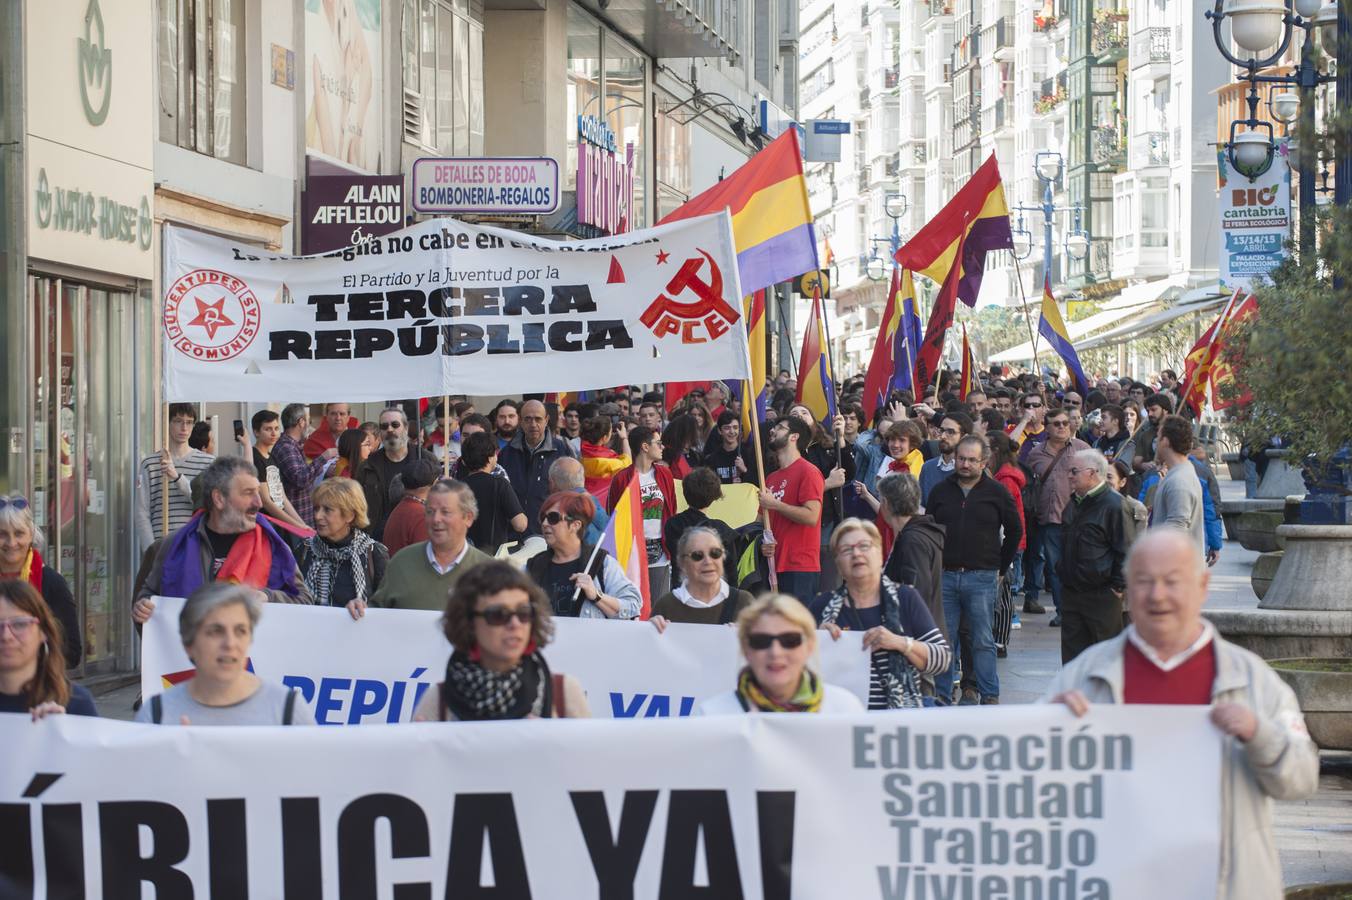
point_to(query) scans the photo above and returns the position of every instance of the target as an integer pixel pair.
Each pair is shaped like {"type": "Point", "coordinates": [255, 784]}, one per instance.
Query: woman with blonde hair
{"type": "Point", "coordinates": [32, 662]}
{"type": "Point", "coordinates": [21, 559]}
{"type": "Point", "coordinates": [778, 636]}
{"type": "Point", "coordinates": [497, 621]}
{"type": "Point", "coordinates": [341, 563]}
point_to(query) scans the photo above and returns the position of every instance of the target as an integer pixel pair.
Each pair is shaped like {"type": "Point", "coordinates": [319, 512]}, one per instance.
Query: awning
{"type": "Point", "coordinates": [1149, 323]}
{"type": "Point", "coordinates": [1078, 329]}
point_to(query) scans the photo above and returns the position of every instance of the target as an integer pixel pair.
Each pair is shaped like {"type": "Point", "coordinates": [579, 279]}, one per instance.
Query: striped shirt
{"type": "Point", "coordinates": [150, 494]}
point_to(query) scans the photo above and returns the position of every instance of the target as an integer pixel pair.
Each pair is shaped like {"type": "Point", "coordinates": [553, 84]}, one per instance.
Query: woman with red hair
{"type": "Point", "coordinates": [580, 580]}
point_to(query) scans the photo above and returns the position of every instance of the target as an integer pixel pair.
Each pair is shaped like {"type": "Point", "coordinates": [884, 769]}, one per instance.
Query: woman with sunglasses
{"type": "Point", "coordinates": [703, 597]}
{"type": "Point", "coordinates": [498, 621]}
{"type": "Point", "coordinates": [32, 663]}
{"type": "Point", "coordinates": [778, 637]}
{"type": "Point", "coordinates": [578, 579]}
{"type": "Point", "coordinates": [20, 559]}
{"type": "Point", "coordinates": [899, 630]}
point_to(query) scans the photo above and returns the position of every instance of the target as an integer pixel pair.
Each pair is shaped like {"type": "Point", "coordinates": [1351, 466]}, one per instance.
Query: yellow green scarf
{"type": "Point", "coordinates": [808, 697]}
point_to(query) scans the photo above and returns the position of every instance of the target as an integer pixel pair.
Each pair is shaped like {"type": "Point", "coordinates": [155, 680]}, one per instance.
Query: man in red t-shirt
{"type": "Point", "coordinates": [1171, 655]}
{"type": "Point", "coordinates": [793, 498]}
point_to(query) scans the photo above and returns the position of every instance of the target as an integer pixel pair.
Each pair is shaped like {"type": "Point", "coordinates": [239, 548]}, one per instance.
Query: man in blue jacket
{"type": "Point", "coordinates": [527, 458]}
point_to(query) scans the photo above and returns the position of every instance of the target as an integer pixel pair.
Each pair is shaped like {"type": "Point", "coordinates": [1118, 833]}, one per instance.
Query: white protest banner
{"type": "Point", "coordinates": [991, 802]}
{"type": "Point", "coordinates": [374, 670]}
{"type": "Point", "coordinates": [444, 307]}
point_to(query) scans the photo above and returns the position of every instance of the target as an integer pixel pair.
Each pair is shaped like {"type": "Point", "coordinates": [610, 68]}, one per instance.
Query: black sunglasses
{"type": "Point", "coordinates": [498, 616]}
{"type": "Point", "coordinates": [789, 640]}
{"type": "Point", "coordinates": [390, 426]}
{"type": "Point", "coordinates": [554, 517]}
{"type": "Point", "coordinates": [16, 502]}
{"type": "Point", "coordinates": [1032, 406]}
{"type": "Point", "coordinates": [698, 555]}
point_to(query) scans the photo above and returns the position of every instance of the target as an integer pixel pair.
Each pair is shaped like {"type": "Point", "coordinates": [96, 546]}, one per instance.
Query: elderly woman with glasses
{"type": "Point", "coordinates": [497, 621]}
{"type": "Point", "coordinates": [32, 662]}
{"type": "Point", "coordinates": [217, 628]}
{"type": "Point", "coordinates": [899, 631]}
{"type": "Point", "coordinates": [579, 580]}
{"type": "Point", "coordinates": [20, 559]}
{"type": "Point", "coordinates": [703, 597]}
{"type": "Point", "coordinates": [778, 637]}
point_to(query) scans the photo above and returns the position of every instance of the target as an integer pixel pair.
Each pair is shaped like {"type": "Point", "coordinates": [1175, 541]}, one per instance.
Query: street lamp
{"type": "Point", "coordinates": [1256, 25]}
{"type": "Point", "coordinates": [894, 207]}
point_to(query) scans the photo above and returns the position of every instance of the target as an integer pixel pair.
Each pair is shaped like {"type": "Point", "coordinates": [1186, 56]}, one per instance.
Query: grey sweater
{"type": "Point", "coordinates": [1178, 504]}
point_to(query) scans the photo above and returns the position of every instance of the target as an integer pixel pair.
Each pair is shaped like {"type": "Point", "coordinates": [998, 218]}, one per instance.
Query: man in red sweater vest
{"type": "Point", "coordinates": [1170, 654]}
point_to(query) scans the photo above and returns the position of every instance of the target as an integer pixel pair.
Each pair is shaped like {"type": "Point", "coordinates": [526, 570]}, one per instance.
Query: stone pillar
{"type": "Point", "coordinates": [1316, 571]}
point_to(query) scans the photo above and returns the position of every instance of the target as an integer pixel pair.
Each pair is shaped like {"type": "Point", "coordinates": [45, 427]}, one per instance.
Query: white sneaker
{"type": "Point", "coordinates": [1016, 623]}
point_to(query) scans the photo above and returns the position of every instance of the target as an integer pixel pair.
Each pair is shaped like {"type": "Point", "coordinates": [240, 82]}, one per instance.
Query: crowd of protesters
{"type": "Point", "coordinates": [919, 526]}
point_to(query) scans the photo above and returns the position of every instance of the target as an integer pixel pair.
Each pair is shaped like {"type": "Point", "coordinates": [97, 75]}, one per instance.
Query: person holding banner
{"type": "Point", "coordinates": [230, 541]}
{"type": "Point", "coordinates": [579, 580]}
{"type": "Point", "coordinates": [341, 563]}
{"type": "Point", "coordinates": [32, 662]}
{"type": "Point", "coordinates": [422, 574]}
{"type": "Point", "coordinates": [1171, 655]}
{"type": "Point", "coordinates": [778, 636]}
{"type": "Point", "coordinates": [704, 596]}
{"type": "Point", "coordinates": [898, 628]}
{"type": "Point", "coordinates": [498, 620]}
{"type": "Point", "coordinates": [174, 469]}
{"type": "Point", "coordinates": [217, 626]}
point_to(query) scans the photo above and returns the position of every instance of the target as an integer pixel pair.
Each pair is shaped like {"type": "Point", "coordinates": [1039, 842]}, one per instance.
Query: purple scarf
{"type": "Point", "coordinates": [182, 573]}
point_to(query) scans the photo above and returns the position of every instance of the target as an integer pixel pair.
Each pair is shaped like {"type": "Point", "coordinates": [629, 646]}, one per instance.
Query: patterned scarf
{"type": "Point", "coordinates": [323, 571]}
{"type": "Point", "coordinates": [808, 697]}
{"type": "Point", "coordinates": [259, 558]}
{"type": "Point", "coordinates": [473, 693]}
{"type": "Point", "coordinates": [901, 683]}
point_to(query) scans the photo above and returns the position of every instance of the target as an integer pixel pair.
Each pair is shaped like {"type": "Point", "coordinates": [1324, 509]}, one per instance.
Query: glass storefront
{"type": "Point", "coordinates": [88, 423]}
{"type": "Point", "coordinates": [609, 79]}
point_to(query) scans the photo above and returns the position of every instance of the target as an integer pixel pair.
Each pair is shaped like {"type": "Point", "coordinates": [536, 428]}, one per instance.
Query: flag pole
{"type": "Point", "coordinates": [1220, 326]}
{"type": "Point", "coordinates": [906, 329]}
{"type": "Point", "coordinates": [820, 304]}
{"type": "Point", "coordinates": [445, 435]}
{"type": "Point", "coordinates": [1028, 315]}
{"type": "Point", "coordinates": [760, 454]}
{"type": "Point", "coordinates": [164, 480]}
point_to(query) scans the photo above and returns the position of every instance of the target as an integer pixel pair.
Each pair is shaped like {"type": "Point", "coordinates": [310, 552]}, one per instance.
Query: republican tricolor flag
{"type": "Point", "coordinates": [623, 539]}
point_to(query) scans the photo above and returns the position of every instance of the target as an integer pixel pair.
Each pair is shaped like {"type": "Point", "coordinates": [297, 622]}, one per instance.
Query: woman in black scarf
{"type": "Point", "coordinates": [341, 564]}
{"type": "Point", "coordinates": [498, 620]}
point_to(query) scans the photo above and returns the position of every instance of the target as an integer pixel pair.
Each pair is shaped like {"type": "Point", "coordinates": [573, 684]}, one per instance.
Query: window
{"type": "Point", "coordinates": [202, 91]}
{"type": "Point", "coordinates": [443, 66]}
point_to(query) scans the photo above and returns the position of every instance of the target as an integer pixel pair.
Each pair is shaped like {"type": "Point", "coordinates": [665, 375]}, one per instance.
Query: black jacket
{"type": "Point", "coordinates": [917, 559]}
{"type": "Point", "coordinates": [375, 475]}
{"type": "Point", "coordinates": [973, 523]}
{"type": "Point", "coordinates": [1094, 542]}
{"type": "Point", "coordinates": [528, 471]}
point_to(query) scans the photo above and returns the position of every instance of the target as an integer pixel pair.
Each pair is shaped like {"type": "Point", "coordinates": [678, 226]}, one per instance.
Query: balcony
{"type": "Point", "coordinates": [1108, 39]}
{"type": "Point", "coordinates": [891, 76]}
{"type": "Point", "coordinates": [1150, 148]}
{"type": "Point", "coordinates": [998, 38]}
{"type": "Point", "coordinates": [1152, 47]}
{"type": "Point", "coordinates": [996, 117]}
{"type": "Point", "coordinates": [940, 8]}
{"type": "Point", "coordinates": [1106, 147]}
{"type": "Point", "coordinates": [1053, 95]}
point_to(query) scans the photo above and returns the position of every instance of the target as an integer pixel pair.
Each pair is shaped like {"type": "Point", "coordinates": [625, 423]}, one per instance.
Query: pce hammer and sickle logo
{"type": "Point", "coordinates": [710, 314]}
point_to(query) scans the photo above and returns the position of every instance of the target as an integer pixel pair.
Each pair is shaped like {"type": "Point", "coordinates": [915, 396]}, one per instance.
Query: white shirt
{"type": "Point", "coordinates": [650, 497]}
{"type": "Point", "coordinates": [1178, 659]}
{"type": "Point", "coordinates": [432, 559]}
{"type": "Point", "coordinates": [685, 596]}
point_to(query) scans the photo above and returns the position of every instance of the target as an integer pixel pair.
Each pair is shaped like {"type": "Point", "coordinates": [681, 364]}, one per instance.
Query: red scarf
{"type": "Point", "coordinates": [31, 570]}
{"type": "Point", "coordinates": [898, 465]}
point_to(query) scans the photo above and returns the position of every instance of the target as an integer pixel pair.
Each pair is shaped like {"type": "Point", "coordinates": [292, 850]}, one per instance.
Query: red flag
{"type": "Point", "coordinates": [881, 365]}
{"type": "Point", "coordinates": [965, 386]}
{"type": "Point", "coordinates": [940, 320]}
{"type": "Point", "coordinates": [677, 391]}
{"type": "Point", "coordinates": [1206, 362]}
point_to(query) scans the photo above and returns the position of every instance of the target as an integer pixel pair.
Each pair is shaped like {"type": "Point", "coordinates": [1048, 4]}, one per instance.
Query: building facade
{"type": "Point", "coordinates": [120, 120]}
